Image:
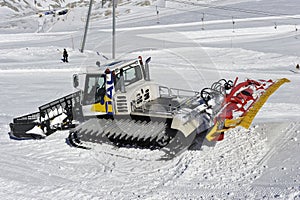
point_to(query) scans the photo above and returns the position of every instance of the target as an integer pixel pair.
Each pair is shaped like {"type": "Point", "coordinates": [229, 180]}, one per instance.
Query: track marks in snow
{"type": "Point", "coordinates": [55, 169]}
{"type": "Point", "coordinates": [225, 168]}
{"type": "Point", "coordinates": [282, 174]}
{"type": "Point", "coordinates": [232, 163]}
{"type": "Point", "coordinates": [278, 139]}
{"type": "Point", "coordinates": [127, 172]}
{"type": "Point", "coordinates": [46, 168]}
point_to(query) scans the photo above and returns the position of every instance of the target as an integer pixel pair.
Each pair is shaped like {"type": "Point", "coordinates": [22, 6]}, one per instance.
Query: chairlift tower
{"type": "Point", "coordinates": [113, 28]}
{"type": "Point", "coordinates": [86, 26]}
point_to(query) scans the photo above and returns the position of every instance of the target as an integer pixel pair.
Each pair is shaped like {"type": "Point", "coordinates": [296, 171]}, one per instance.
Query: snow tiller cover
{"type": "Point", "coordinates": [241, 104]}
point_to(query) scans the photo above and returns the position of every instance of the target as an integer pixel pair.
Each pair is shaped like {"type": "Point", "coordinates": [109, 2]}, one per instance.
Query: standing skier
{"type": "Point", "coordinates": [65, 56]}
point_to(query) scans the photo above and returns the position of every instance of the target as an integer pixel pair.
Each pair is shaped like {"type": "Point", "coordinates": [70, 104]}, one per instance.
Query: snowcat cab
{"type": "Point", "coordinates": [101, 85]}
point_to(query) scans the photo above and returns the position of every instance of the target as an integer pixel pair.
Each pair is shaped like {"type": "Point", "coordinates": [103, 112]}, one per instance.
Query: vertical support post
{"type": "Point", "coordinates": [114, 30]}
{"type": "Point", "coordinates": [157, 14]}
{"type": "Point", "coordinates": [202, 19]}
{"type": "Point", "coordinates": [86, 26]}
{"type": "Point", "coordinates": [72, 42]}
{"type": "Point", "coordinates": [233, 22]}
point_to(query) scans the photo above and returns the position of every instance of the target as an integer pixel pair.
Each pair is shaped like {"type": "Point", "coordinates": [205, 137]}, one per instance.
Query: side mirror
{"type": "Point", "coordinates": [75, 80]}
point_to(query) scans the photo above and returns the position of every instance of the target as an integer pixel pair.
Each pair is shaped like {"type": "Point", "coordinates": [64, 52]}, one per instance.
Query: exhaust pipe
{"type": "Point", "coordinates": [122, 82]}
{"type": "Point", "coordinates": [147, 71]}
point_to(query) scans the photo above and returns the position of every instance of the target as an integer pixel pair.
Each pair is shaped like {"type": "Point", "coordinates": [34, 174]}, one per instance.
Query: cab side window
{"type": "Point", "coordinates": [132, 73]}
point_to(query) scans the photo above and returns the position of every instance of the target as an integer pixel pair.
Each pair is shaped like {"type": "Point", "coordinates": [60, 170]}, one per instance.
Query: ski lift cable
{"type": "Point", "coordinates": [250, 11]}
{"type": "Point", "coordinates": [234, 9]}
{"type": "Point", "coordinates": [236, 19]}
{"type": "Point", "coordinates": [198, 11]}
{"type": "Point", "coordinates": [229, 15]}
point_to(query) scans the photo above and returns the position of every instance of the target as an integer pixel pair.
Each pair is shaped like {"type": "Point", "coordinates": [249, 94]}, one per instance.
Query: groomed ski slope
{"type": "Point", "coordinates": [260, 163]}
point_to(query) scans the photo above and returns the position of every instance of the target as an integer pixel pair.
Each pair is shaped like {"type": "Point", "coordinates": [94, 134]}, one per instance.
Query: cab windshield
{"type": "Point", "coordinates": [94, 89]}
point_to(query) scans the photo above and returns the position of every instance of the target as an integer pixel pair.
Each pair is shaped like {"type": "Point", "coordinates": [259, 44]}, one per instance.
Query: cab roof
{"type": "Point", "coordinates": [113, 65]}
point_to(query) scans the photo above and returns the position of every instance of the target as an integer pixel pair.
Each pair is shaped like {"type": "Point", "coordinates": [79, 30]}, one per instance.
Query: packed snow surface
{"type": "Point", "coordinates": [260, 163]}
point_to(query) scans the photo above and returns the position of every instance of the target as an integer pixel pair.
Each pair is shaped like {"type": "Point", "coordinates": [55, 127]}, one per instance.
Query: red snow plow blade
{"type": "Point", "coordinates": [242, 103]}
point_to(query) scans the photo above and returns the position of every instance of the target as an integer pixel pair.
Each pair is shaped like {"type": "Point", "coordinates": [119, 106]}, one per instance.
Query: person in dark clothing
{"type": "Point", "coordinates": [65, 56]}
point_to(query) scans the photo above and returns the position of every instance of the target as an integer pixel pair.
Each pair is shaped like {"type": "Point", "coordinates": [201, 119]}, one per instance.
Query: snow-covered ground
{"type": "Point", "coordinates": [260, 163]}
